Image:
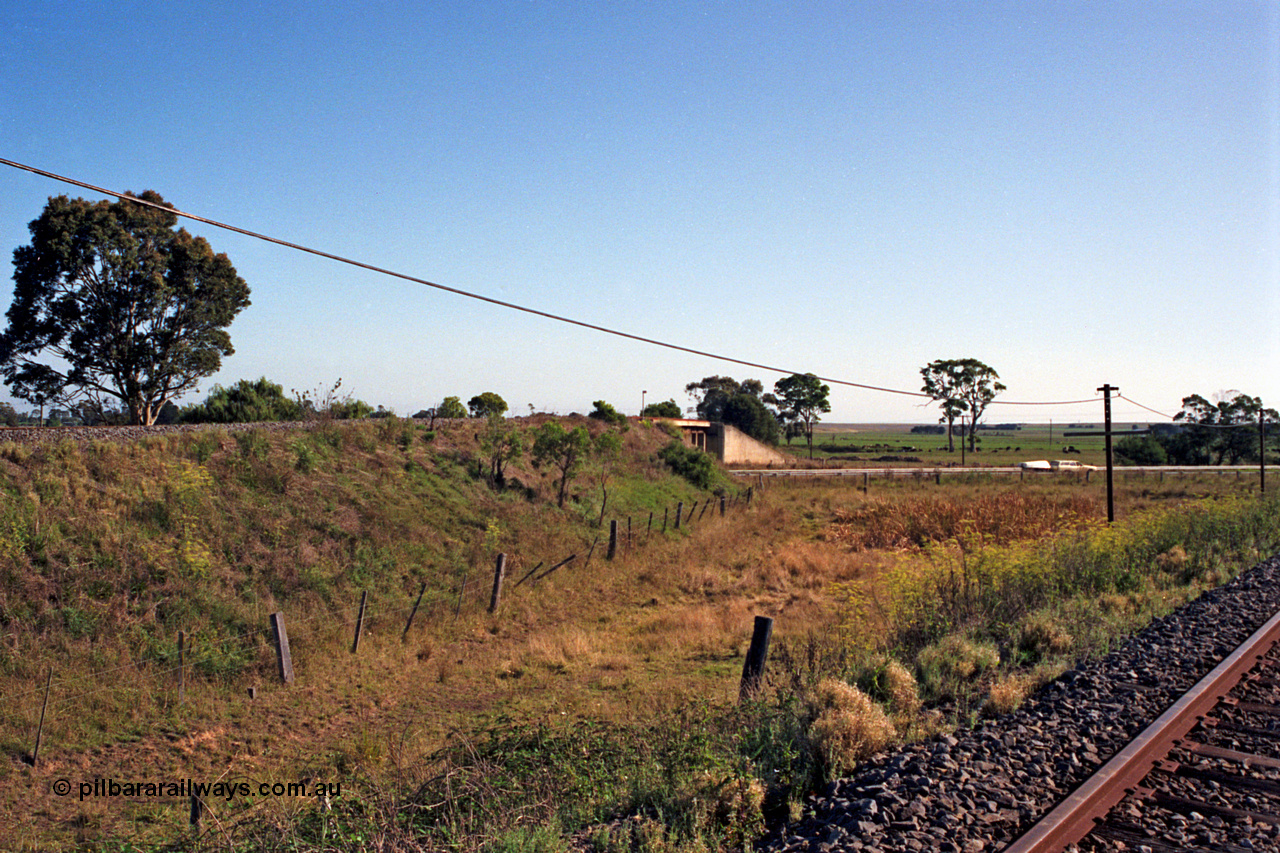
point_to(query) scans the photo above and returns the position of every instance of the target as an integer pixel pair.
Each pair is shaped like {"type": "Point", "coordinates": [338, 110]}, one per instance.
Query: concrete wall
{"type": "Point", "coordinates": [734, 447]}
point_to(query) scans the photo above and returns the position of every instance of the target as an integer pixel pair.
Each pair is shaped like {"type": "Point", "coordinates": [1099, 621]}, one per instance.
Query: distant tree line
{"type": "Point", "coordinates": [1205, 433]}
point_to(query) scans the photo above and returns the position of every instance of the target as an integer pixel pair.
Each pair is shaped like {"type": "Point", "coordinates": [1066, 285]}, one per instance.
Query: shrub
{"type": "Point", "coordinates": [903, 691]}
{"type": "Point", "coordinates": [607, 413]}
{"type": "Point", "coordinates": [1006, 695]}
{"type": "Point", "coordinates": [949, 666]}
{"type": "Point", "coordinates": [689, 462]}
{"type": "Point", "coordinates": [849, 727]}
{"type": "Point", "coordinates": [1040, 635]}
{"type": "Point", "coordinates": [245, 402]}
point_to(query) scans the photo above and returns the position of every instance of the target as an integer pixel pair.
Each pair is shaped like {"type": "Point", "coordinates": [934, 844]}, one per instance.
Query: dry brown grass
{"type": "Point", "coordinates": [1007, 694]}
{"type": "Point", "coordinates": [848, 726]}
{"type": "Point", "coordinates": [998, 518]}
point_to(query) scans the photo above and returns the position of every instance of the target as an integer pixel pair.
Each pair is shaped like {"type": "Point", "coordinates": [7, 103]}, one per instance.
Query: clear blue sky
{"type": "Point", "coordinates": [1076, 193]}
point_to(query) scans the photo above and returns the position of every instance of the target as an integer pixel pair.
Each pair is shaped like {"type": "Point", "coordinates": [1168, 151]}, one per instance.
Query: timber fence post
{"type": "Point", "coordinates": [757, 654]}
{"type": "Point", "coordinates": [498, 571]}
{"type": "Point", "coordinates": [48, 685]}
{"type": "Point", "coordinates": [283, 657]}
{"type": "Point", "coordinates": [679, 512]}
{"type": "Point", "coordinates": [364, 600]}
{"type": "Point", "coordinates": [462, 590]}
{"type": "Point", "coordinates": [613, 540]}
{"type": "Point", "coordinates": [182, 666]}
{"type": "Point", "coordinates": [414, 611]}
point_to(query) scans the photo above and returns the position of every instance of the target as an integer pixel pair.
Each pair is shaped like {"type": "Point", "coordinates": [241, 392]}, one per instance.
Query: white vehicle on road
{"type": "Point", "coordinates": [1056, 465]}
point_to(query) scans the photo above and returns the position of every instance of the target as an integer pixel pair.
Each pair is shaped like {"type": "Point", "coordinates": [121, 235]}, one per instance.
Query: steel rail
{"type": "Point", "coordinates": [1078, 814]}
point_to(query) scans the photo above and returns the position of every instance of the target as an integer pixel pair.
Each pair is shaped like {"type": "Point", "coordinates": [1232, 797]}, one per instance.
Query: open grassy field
{"type": "Point", "coordinates": [872, 443]}
{"type": "Point", "coordinates": [597, 706]}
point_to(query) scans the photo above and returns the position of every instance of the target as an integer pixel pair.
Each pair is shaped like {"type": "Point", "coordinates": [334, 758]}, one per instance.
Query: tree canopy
{"type": "Point", "coordinates": [802, 397]}
{"type": "Point", "coordinates": [451, 407]}
{"type": "Point", "coordinates": [566, 450]}
{"type": "Point", "coordinates": [486, 404]}
{"type": "Point", "coordinates": [1225, 432]}
{"type": "Point", "coordinates": [740, 404]}
{"type": "Point", "coordinates": [112, 301]}
{"type": "Point", "coordinates": [665, 409]}
{"type": "Point", "coordinates": [961, 385]}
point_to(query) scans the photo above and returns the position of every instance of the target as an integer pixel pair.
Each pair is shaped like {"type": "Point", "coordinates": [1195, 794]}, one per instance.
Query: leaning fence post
{"type": "Point", "coordinates": [364, 599]}
{"type": "Point", "coordinates": [613, 540]}
{"type": "Point", "coordinates": [413, 612]}
{"type": "Point", "coordinates": [462, 590]}
{"type": "Point", "coordinates": [499, 570]}
{"type": "Point", "coordinates": [679, 512]}
{"type": "Point", "coordinates": [35, 753]}
{"type": "Point", "coordinates": [757, 654]}
{"type": "Point", "coordinates": [282, 647]}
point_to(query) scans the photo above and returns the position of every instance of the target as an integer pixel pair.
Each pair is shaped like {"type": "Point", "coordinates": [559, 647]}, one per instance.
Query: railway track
{"type": "Point", "coordinates": [1211, 782]}
{"type": "Point", "coordinates": [1185, 783]}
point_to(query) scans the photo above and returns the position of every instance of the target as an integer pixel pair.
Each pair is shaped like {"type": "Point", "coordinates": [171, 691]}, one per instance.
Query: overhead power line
{"type": "Point", "coordinates": [594, 327]}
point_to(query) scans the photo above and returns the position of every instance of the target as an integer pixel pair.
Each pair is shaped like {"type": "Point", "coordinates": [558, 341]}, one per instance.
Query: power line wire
{"type": "Point", "coordinates": [404, 276]}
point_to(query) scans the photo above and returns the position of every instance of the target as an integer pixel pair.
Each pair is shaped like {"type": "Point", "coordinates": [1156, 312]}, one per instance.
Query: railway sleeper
{"type": "Point", "coordinates": [1185, 806]}
{"type": "Point", "coordinates": [1135, 837]}
{"type": "Point", "coordinates": [1248, 759]}
{"type": "Point", "coordinates": [1234, 781]}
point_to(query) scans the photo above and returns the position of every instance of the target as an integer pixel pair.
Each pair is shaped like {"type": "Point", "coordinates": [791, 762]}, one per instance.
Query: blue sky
{"type": "Point", "coordinates": [1076, 193]}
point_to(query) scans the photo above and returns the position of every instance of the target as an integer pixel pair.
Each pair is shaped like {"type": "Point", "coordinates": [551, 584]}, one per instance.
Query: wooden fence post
{"type": "Point", "coordinates": [35, 753]}
{"type": "Point", "coordinates": [414, 611]}
{"type": "Point", "coordinates": [282, 647]}
{"type": "Point", "coordinates": [498, 571]}
{"type": "Point", "coordinates": [355, 643]}
{"type": "Point", "coordinates": [704, 509]}
{"type": "Point", "coordinates": [757, 654]}
{"type": "Point", "coordinates": [462, 590]}
{"type": "Point", "coordinates": [182, 666]}
{"type": "Point", "coordinates": [649, 532]}
{"type": "Point", "coordinates": [613, 540]}
{"type": "Point", "coordinates": [679, 512]}
{"type": "Point", "coordinates": [688, 518]}
{"type": "Point", "coordinates": [722, 499]}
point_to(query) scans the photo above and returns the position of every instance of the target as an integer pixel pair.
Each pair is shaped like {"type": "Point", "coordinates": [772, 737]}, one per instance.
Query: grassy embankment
{"type": "Point", "coordinates": [597, 694]}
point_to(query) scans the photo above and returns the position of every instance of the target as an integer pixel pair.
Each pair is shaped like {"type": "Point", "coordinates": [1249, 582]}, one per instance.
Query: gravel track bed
{"type": "Point", "coordinates": [82, 434]}
{"type": "Point", "coordinates": [33, 435]}
{"type": "Point", "coordinates": [979, 789]}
